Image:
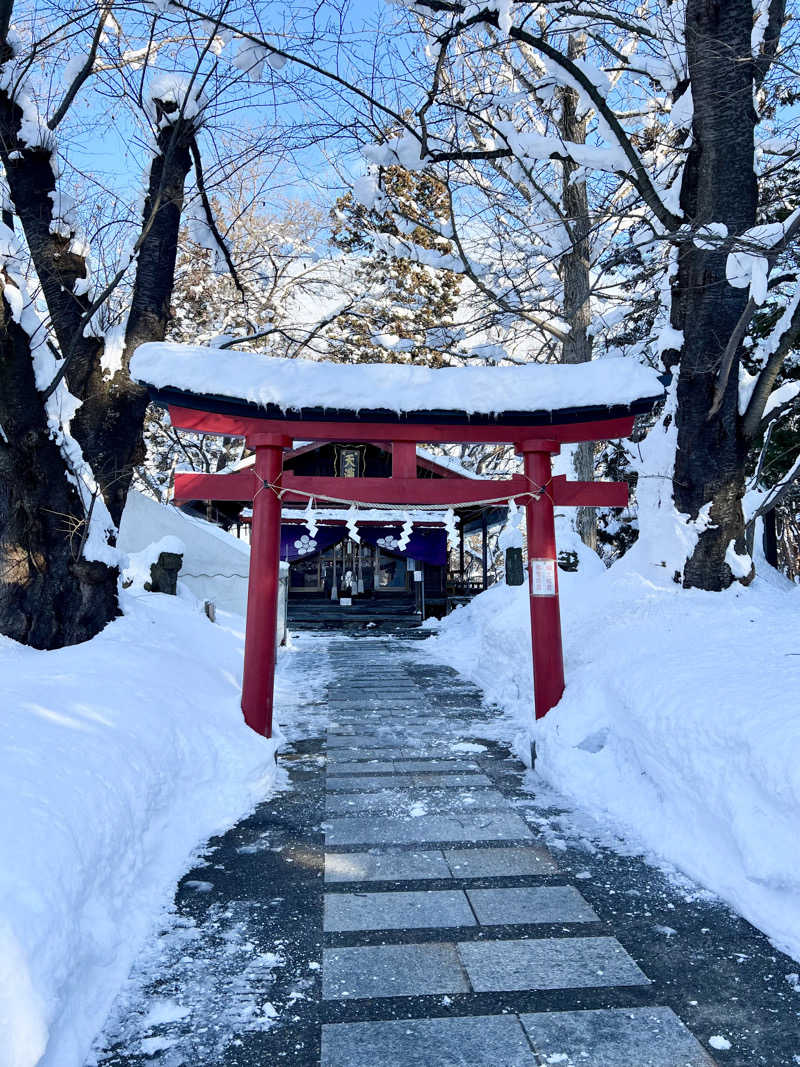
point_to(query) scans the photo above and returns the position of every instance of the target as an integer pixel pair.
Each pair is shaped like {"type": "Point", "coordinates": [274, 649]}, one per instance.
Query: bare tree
{"type": "Point", "coordinates": [70, 417]}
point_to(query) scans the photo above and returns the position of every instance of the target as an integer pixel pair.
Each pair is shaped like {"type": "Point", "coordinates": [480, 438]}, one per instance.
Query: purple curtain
{"type": "Point", "coordinates": [323, 539]}
{"type": "Point", "coordinates": [426, 545]}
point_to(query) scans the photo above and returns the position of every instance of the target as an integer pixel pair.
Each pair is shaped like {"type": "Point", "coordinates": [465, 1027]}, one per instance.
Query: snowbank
{"type": "Point", "coordinates": [679, 721]}
{"type": "Point", "coordinates": [291, 384]}
{"type": "Point", "coordinates": [215, 563]}
{"type": "Point", "coordinates": [117, 758]}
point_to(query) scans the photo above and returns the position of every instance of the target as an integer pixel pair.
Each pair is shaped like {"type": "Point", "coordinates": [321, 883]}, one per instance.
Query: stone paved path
{"type": "Point", "coordinates": [400, 908]}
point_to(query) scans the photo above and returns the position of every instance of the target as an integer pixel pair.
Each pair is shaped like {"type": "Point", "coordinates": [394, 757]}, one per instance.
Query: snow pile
{"type": "Point", "coordinates": [679, 721]}
{"type": "Point", "coordinates": [117, 758]}
{"type": "Point", "coordinates": [215, 563]}
{"type": "Point", "coordinates": [137, 572]}
{"type": "Point", "coordinates": [172, 97]}
{"type": "Point", "coordinates": [291, 384]}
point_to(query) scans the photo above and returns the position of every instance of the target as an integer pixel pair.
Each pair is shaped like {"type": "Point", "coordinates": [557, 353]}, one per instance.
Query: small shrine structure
{"type": "Point", "coordinates": [391, 585]}
{"type": "Point", "coordinates": [273, 403]}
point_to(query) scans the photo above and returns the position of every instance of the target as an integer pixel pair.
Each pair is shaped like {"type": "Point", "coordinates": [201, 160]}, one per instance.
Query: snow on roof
{"type": "Point", "coordinates": [295, 384]}
{"type": "Point", "coordinates": [448, 462]}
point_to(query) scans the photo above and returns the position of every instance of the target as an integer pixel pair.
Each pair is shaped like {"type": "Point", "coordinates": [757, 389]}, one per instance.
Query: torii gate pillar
{"type": "Point", "coordinates": [263, 584]}
{"type": "Point", "coordinates": [548, 656]}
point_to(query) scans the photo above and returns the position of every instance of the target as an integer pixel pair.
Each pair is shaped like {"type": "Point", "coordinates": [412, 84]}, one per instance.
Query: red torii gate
{"type": "Point", "coordinates": [266, 485]}
{"type": "Point", "coordinates": [269, 431]}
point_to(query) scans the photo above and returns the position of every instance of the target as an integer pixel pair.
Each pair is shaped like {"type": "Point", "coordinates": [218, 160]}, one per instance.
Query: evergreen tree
{"type": "Point", "coordinates": [405, 310]}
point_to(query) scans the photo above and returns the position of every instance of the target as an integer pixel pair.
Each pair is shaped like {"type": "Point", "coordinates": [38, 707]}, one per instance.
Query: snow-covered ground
{"type": "Point", "coordinates": [679, 723]}
{"type": "Point", "coordinates": [118, 757]}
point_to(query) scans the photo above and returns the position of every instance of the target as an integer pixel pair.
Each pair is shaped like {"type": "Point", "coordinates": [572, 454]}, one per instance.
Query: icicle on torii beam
{"type": "Point", "coordinates": [273, 402]}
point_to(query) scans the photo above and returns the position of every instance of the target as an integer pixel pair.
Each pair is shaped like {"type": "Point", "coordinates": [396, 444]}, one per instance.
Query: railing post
{"type": "Point", "coordinates": [258, 682]}
{"type": "Point", "coordinates": [546, 646]}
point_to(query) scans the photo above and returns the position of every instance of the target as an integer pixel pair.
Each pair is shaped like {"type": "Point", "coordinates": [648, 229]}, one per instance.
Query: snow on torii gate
{"type": "Point", "coordinates": [273, 402]}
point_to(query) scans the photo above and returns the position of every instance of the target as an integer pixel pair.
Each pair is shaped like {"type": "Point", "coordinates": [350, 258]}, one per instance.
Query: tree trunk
{"type": "Point", "coordinates": [718, 186]}
{"type": "Point", "coordinates": [49, 595]}
{"type": "Point", "coordinates": [109, 423]}
{"type": "Point", "coordinates": [575, 269]}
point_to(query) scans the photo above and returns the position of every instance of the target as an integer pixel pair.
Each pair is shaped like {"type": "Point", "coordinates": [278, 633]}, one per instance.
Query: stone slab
{"type": "Point", "coordinates": [384, 866]}
{"type": "Point", "coordinates": [549, 963]}
{"type": "Point", "coordinates": [391, 971]}
{"type": "Point", "coordinates": [473, 1041]}
{"type": "Point", "coordinates": [366, 753]}
{"type": "Point", "coordinates": [387, 683]}
{"type": "Point", "coordinates": [350, 783]}
{"type": "Point", "coordinates": [386, 751]}
{"type": "Point", "coordinates": [372, 700]}
{"type": "Point", "coordinates": [376, 679]}
{"type": "Point", "coordinates": [451, 781]}
{"type": "Point", "coordinates": [395, 801]}
{"type": "Point", "coordinates": [424, 909]}
{"type": "Point", "coordinates": [531, 904]}
{"type": "Point", "coordinates": [499, 862]}
{"type": "Point", "coordinates": [434, 765]}
{"type": "Point", "coordinates": [362, 783]}
{"type": "Point", "coordinates": [389, 830]}
{"type": "Point", "coordinates": [361, 741]}
{"type": "Point", "coordinates": [412, 741]}
{"type": "Point", "coordinates": [369, 766]}
{"type": "Point", "coordinates": [618, 1037]}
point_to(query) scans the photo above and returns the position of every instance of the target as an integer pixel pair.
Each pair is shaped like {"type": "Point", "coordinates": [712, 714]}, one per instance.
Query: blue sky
{"type": "Point", "coordinates": [111, 148]}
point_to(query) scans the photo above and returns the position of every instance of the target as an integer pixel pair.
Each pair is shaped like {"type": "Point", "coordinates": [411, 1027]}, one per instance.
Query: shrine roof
{"type": "Point", "coordinates": [228, 381]}
{"type": "Point", "coordinates": [440, 464]}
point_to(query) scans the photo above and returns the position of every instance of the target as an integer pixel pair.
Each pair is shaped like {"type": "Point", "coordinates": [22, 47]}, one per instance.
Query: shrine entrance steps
{"type": "Point", "coordinates": [417, 900]}
{"type": "Point", "coordinates": [385, 613]}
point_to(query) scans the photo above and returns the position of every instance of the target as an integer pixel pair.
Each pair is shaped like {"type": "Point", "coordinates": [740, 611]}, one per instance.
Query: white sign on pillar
{"type": "Point", "coordinates": [542, 577]}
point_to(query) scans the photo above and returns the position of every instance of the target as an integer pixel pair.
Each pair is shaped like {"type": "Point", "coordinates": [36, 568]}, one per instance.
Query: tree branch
{"type": "Point", "coordinates": [496, 298]}
{"type": "Point", "coordinates": [85, 72]}
{"type": "Point", "coordinates": [780, 491]}
{"type": "Point", "coordinates": [32, 183]}
{"type": "Point", "coordinates": [304, 343]}
{"type": "Point", "coordinates": [158, 245]}
{"type": "Point", "coordinates": [751, 422]}
{"type": "Point", "coordinates": [74, 345]}
{"type": "Point", "coordinates": [209, 214]}
{"type": "Point", "coordinates": [639, 177]}
{"type": "Point", "coordinates": [771, 255]}
{"type": "Point", "coordinates": [770, 41]}
{"type": "Point", "coordinates": [170, 139]}
{"type": "Point", "coordinates": [330, 75]}
{"type": "Point", "coordinates": [728, 356]}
